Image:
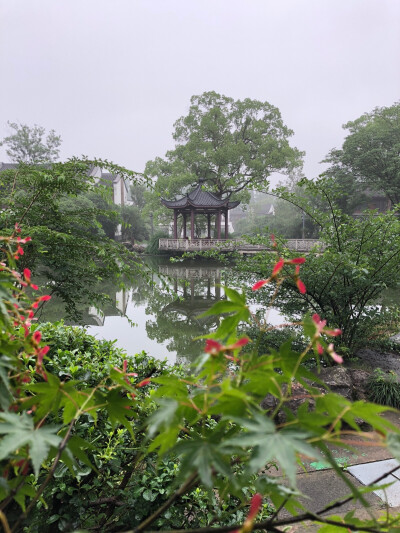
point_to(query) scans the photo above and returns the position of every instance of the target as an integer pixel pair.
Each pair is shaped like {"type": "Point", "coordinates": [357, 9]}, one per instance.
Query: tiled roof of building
{"type": "Point", "coordinates": [199, 198]}
{"type": "Point", "coordinates": [8, 166]}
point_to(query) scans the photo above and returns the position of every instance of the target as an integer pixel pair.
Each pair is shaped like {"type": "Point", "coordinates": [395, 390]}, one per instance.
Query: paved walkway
{"type": "Point", "coordinates": [321, 485]}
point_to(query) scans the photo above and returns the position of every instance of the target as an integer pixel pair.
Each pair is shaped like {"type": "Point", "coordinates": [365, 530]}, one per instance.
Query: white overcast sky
{"type": "Point", "coordinates": [112, 76]}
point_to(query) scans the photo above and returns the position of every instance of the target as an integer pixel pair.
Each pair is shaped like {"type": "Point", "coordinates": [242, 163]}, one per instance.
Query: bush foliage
{"type": "Point", "coordinates": [93, 440]}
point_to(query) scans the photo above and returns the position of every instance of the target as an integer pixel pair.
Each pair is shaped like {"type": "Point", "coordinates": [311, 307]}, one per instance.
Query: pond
{"type": "Point", "coordinates": [161, 317]}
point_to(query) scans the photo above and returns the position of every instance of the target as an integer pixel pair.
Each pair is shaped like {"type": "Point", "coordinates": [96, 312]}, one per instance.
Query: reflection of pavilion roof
{"type": "Point", "coordinates": [199, 199]}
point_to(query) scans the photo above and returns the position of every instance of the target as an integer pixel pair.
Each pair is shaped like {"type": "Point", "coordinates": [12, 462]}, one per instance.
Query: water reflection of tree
{"type": "Point", "coordinates": [175, 316]}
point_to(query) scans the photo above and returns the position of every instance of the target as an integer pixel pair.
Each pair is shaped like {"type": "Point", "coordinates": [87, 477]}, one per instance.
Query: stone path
{"type": "Point", "coordinates": [362, 464]}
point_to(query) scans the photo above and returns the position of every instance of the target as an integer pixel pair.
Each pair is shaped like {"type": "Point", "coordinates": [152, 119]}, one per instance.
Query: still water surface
{"type": "Point", "coordinates": [162, 318]}
{"type": "Point", "coordinates": [165, 315]}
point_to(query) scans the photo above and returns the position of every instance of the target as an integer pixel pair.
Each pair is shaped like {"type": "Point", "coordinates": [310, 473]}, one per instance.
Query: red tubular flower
{"type": "Point", "coordinates": [143, 383]}
{"type": "Point", "coordinates": [44, 298]}
{"type": "Point", "coordinates": [20, 250]}
{"type": "Point", "coordinates": [278, 267]}
{"type": "Point", "coordinates": [259, 284]}
{"type": "Point", "coordinates": [331, 351]}
{"type": "Point", "coordinates": [301, 286]}
{"type": "Point", "coordinates": [213, 347]}
{"type": "Point", "coordinates": [41, 353]}
{"type": "Point", "coordinates": [27, 274]}
{"type": "Point", "coordinates": [273, 240]}
{"type": "Point", "coordinates": [333, 332]}
{"type": "Point", "coordinates": [296, 261]}
{"type": "Point", "coordinates": [255, 505]}
{"type": "Point", "coordinates": [37, 336]}
{"type": "Point", "coordinates": [239, 343]}
{"type": "Point", "coordinates": [23, 241]}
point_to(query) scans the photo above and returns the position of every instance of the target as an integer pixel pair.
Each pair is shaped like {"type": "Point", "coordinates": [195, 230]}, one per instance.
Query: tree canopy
{"type": "Point", "coordinates": [370, 154]}
{"type": "Point", "coordinates": [29, 144]}
{"type": "Point", "coordinates": [72, 223]}
{"type": "Point", "coordinates": [234, 145]}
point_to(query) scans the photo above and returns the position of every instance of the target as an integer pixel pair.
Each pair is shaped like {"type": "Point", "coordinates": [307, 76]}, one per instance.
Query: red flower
{"type": "Point", "coordinates": [213, 347]}
{"type": "Point", "coordinates": [41, 353]}
{"type": "Point", "coordinates": [37, 336]}
{"type": "Point", "coordinates": [278, 267]}
{"type": "Point", "coordinates": [333, 332]}
{"type": "Point", "coordinates": [255, 505]}
{"type": "Point", "coordinates": [296, 261]}
{"type": "Point", "coordinates": [259, 284]}
{"type": "Point", "coordinates": [320, 328]}
{"type": "Point", "coordinates": [337, 358]}
{"type": "Point", "coordinates": [44, 298]}
{"type": "Point", "coordinates": [301, 286]}
{"type": "Point", "coordinates": [239, 343]}
{"type": "Point", "coordinates": [299, 283]}
{"type": "Point", "coordinates": [27, 274]}
{"type": "Point", "coordinates": [143, 383]}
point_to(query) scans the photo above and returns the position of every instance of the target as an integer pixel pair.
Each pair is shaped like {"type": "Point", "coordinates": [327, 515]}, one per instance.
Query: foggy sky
{"type": "Point", "coordinates": [112, 76]}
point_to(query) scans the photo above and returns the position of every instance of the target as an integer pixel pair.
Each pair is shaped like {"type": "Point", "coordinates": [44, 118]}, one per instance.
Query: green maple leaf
{"type": "Point", "coordinates": [203, 456]}
{"type": "Point", "coordinates": [268, 444]}
{"type": "Point", "coordinates": [118, 410]}
{"type": "Point", "coordinates": [19, 431]}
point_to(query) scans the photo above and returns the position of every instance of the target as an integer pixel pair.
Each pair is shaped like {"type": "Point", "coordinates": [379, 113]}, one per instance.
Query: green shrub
{"type": "Point", "coordinates": [152, 246]}
{"type": "Point", "coordinates": [384, 388]}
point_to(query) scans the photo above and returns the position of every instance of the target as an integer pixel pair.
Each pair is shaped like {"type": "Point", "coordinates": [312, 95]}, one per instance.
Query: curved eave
{"type": "Point", "coordinates": [173, 204]}
{"type": "Point", "coordinates": [176, 204]}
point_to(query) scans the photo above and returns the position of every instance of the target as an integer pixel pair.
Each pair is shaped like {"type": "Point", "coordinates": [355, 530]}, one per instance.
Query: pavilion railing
{"type": "Point", "coordinates": [299, 245]}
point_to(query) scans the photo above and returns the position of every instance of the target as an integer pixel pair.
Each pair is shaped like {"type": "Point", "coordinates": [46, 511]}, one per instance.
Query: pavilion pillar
{"type": "Point", "coordinates": [217, 292]}
{"type": "Point", "coordinates": [226, 223]}
{"type": "Point", "coordinates": [175, 224]}
{"type": "Point", "coordinates": [192, 224]}
{"type": "Point", "coordinates": [208, 226]}
{"type": "Point", "coordinates": [184, 225]}
{"type": "Point", "coordinates": [192, 290]}
{"type": "Point", "coordinates": [219, 224]}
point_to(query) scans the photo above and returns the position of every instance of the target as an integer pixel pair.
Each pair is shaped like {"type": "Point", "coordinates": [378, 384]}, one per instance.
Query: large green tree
{"type": "Point", "coordinates": [360, 259]}
{"type": "Point", "coordinates": [234, 145]}
{"type": "Point", "coordinates": [369, 157]}
{"type": "Point", "coordinates": [30, 144]}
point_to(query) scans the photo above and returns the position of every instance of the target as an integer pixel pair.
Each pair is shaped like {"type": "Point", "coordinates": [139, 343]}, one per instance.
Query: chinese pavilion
{"type": "Point", "coordinates": [200, 202]}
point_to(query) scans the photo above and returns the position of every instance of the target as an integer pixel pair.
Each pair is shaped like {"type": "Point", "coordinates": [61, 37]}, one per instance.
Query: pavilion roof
{"type": "Point", "coordinates": [200, 199]}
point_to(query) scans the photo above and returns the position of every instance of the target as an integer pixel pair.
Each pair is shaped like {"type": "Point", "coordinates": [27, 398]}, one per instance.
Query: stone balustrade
{"type": "Point", "coordinates": [195, 245]}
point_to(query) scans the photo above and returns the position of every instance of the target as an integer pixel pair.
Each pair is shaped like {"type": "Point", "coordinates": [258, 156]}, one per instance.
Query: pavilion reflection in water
{"type": "Point", "coordinates": [198, 288]}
